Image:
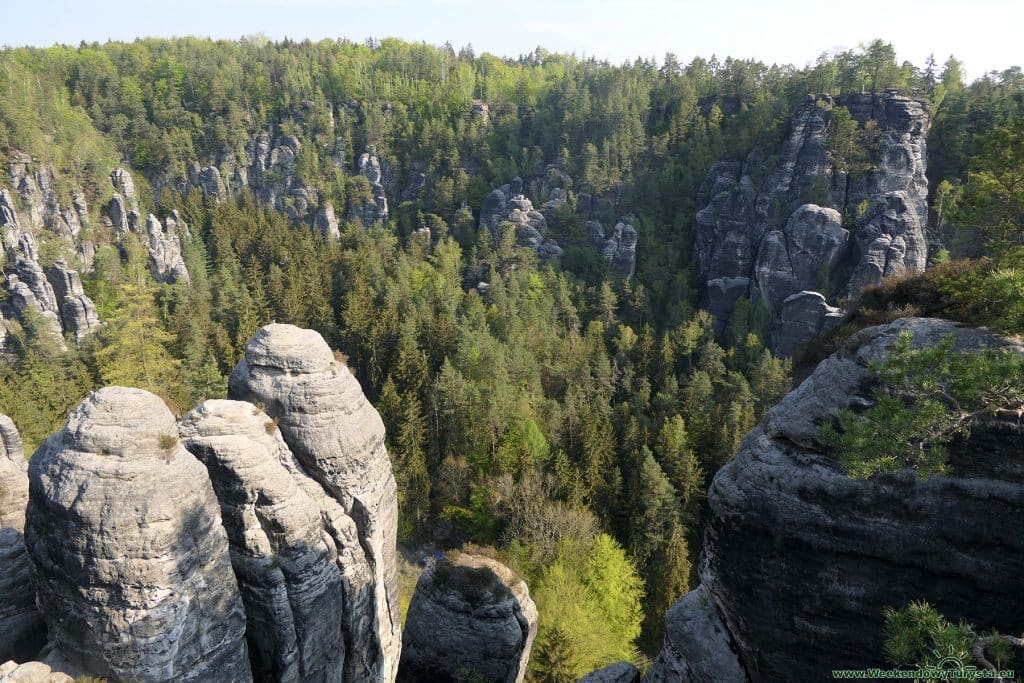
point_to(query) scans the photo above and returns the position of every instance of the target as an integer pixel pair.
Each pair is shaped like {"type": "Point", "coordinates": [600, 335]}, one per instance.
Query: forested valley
{"type": "Point", "coordinates": [566, 413]}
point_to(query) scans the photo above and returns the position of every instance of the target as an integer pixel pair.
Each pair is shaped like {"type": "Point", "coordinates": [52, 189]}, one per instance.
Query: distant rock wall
{"type": "Point", "coordinates": [799, 560]}
{"type": "Point", "coordinates": [811, 226]}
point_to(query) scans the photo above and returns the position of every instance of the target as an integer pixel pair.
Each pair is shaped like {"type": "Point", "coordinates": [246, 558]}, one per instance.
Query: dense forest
{"type": "Point", "coordinates": [563, 414]}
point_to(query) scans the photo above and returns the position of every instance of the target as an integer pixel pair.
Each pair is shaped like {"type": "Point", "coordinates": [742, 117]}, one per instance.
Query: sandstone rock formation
{"type": "Point", "coordinates": [55, 296]}
{"type": "Point", "coordinates": [128, 552]}
{"type": "Point", "coordinates": [377, 209]}
{"type": "Point", "coordinates": [799, 560]}
{"type": "Point", "coordinates": [77, 313]}
{"type": "Point", "coordinates": [618, 247]}
{"type": "Point", "coordinates": [810, 225]}
{"type": "Point", "coordinates": [22, 631]}
{"type": "Point", "coordinates": [31, 672]}
{"type": "Point", "coordinates": [619, 672]}
{"type": "Point", "coordinates": [295, 551]}
{"type": "Point", "coordinates": [338, 438]}
{"type": "Point", "coordinates": [164, 247]}
{"type": "Point", "coordinates": [501, 206]}
{"type": "Point", "coordinates": [469, 616]}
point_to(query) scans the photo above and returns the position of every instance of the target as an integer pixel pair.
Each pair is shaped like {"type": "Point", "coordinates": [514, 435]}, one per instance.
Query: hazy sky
{"type": "Point", "coordinates": [984, 34]}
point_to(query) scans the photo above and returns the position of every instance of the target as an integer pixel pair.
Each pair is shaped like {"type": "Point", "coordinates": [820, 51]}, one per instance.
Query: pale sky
{"type": "Point", "coordinates": [984, 34]}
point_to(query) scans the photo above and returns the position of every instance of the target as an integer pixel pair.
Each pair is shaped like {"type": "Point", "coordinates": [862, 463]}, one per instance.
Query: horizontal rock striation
{"type": "Point", "coordinates": [22, 631]}
{"type": "Point", "coordinates": [812, 224]}
{"type": "Point", "coordinates": [800, 560]}
{"type": "Point", "coordinates": [469, 616]}
{"type": "Point", "coordinates": [129, 556]}
{"type": "Point", "coordinates": [295, 551]}
{"type": "Point", "coordinates": [338, 438]}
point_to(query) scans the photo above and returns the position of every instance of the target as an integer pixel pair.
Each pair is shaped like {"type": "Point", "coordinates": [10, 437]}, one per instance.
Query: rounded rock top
{"type": "Point", "coordinates": [288, 347]}
{"type": "Point", "coordinates": [121, 421]}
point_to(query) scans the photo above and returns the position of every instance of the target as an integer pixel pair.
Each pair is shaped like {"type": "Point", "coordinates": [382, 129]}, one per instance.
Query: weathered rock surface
{"type": "Point", "coordinates": [619, 247]}
{"type": "Point", "coordinates": [377, 209]}
{"type": "Point", "coordinates": [295, 551]}
{"type": "Point", "coordinates": [165, 252]}
{"type": "Point", "coordinates": [531, 227]}
{"type": "Point", "coordinates": [338, 438]}
{"type": "Point", "coordinates": [800, 560]}
{"type": "Point", "coordinates": [31, 672]}
{"type": "Point", "coordinates": [326, 222]}
{"type": "Point", "coordinates": [22, 631]}
{"type": "Point", "coordinates": [77, 313]}
{"type": "Point", "coordinates": [469, 616]}
{"type": "Point", "coordinates": [129, 556]}
{"type": "Point", "coordinates": [619, 672]}
{"type": "Point", "coordinates": [698, 646]}
{"type": "Point", "coordinates": [786, 234]}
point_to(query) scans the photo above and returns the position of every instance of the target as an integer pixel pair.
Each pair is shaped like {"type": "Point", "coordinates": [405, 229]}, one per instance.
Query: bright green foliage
{"type": "Point", "coordinates": [918, 636]}
{"type": "Point", "coordinates": [925, 398]}
{"type": "Point", "coordinates": [591, 602]}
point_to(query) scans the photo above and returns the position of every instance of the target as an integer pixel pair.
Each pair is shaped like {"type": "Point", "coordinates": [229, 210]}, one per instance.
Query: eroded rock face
{"type": "Point", "coordinates": [786, 233]}
{"type": "Point", "coordinates": [22, 631]}
{"type": "Point", "coordinates": [31, 672]}
{"type": "Point", "coordinates": [338, 438]}
{"type": "Point", "coordinates": [295, 551]}
{"type": "Point", "coordinates": [619, 246]}
{"type": "Point", "coordinates": [77, 313]}
{"type": "Point", "coordinates": [129, 556]}
{"type": "Point", "coordinates": [800, 560]}
{"type": "Point", "coordinates": [165, 252]}
{"type": "Point", "coordinates": [469, 616]}
{"type": "Point", "coordinates": [531, 227]}
{"type": "Point", "coordinates": [377, 210]}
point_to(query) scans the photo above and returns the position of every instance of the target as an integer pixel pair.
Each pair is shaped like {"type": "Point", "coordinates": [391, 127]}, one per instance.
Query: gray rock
{"type": "Point", "coordinates": [117, 212]}
{"type": "Point", "coordinates": [295, 552]}
{"type": "Point", "coordinates": [530, 225]}
{"type": "Point", "coordinates": [721, 296]}
{"type": "Point", "coordinates": [469, 616]}
{"type": "Point", "coordinates": [31, 672]}
{"type": "Point", "coordinates": [698, 646]}
{"type": "Point", "coordinates": [377, 210]}
{"type": "Point", "coordinates": [208, 179]}
{"type": "Point", "coordinates": [785, 233]}
{"type": "Point", "coordinates": [326, 222]}
{"type": "Point", "coordinates": [129, 556]}
{"type": "Point", "coordinates": [338, 438]}
{"type": "Point", "coordinates": [800, 559]}
{"type": "Point", "coordinates": [77, 313]}
{"type": "Point", "coordinates": [802, 317]}
{"type": "Point", "coordinates": [164, 248]}
{"type": "Point", "coordinates": [124, 185]}
{"type": "Point", "coordinates": [620, 248]}
{"type": "Point", "coordinates": [619, 672]}
{"type": "Point", "coordinates": [22, 631]}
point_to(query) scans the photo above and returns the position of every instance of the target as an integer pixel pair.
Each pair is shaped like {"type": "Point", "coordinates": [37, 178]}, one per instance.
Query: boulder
{"type": "Point", "coordinates": [22, 631]}
{"type": "Point", "coordinates": [31, 672]}
{"type": "Point", "coordinates": [619, 672]}
{"type": "Point", "coordinates": [800, 560]}
{"type": "Point", "coordinates": [129, 556]}
{"type": "Point", "coordinates": [469, 616]}
{"type": "Point", "coordinates": [338, 438]}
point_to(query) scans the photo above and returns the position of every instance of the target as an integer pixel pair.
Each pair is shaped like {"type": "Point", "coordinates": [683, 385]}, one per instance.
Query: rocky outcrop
{"type": "Point", "coordinates": [129, 556]}
{"type": "Point", "coordinates": [698, 646]}
{"type": "Point", "coordinates": [22, 631]}
{"type": "Point", "coordinates": [469, 616]}
{"type": "Point", "coordinates": [164, 247]}
{"type": "Point", "coordinates": [501, 206]}
{"type": "Point", "coordinates": [375, 210]}
{"type": "Point", "coordinates": [338, 438]}
{"type": "Point", "coordinates": [77, 313]}
{"type": "Point", "coordinates": [34, 184]}
{"type": "Point", "coordinates": [295, 551]}
{"type": "Point", "coordinates": [618, 247]}
{"type": "Point", "coordinates": [810, 225]}
{"type": "Point", "coordinates": [799, 560]}
{"type": "Point", "coordinates": [619, 672]}
{"type": "Point", "coordinates": [326, 223]}
{"type": "Point", "coordinates": [31, 672]}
